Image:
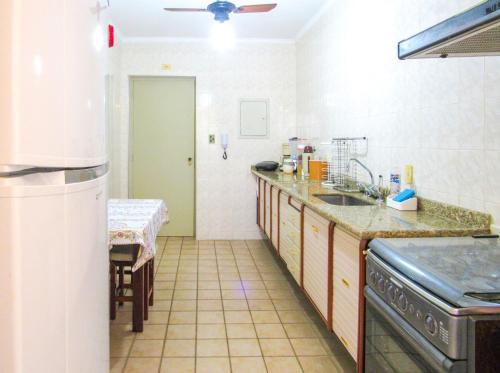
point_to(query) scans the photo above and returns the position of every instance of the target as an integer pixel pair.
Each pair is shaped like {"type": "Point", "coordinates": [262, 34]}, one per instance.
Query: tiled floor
{"type": "Point", "coordinates": [224, 306]}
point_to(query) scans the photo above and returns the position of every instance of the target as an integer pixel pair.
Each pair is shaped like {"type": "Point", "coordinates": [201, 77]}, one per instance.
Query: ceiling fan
{"type": "Point", "coordinates": [222, 9]}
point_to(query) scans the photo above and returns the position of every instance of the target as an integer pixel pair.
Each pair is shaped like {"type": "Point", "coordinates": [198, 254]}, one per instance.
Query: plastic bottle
{"type": "Point", "coordinates": [395, 180]}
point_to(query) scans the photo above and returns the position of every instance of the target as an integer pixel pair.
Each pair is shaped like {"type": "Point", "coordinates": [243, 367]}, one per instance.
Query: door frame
{"type": "Point", "coordinates": [131, 79]}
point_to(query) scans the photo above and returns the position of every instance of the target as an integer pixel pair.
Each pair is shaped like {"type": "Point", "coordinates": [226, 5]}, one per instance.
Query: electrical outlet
{"type": "Point", "coordinates": [211, 139]}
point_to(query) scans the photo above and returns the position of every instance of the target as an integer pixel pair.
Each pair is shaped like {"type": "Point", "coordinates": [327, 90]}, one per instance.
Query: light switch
{"type": "Point", "coordinates": [211, 139]}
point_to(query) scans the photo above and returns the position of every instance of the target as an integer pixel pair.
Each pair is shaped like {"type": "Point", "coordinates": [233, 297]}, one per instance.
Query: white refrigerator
{"type": "Point", "coordinates": [53, 188]}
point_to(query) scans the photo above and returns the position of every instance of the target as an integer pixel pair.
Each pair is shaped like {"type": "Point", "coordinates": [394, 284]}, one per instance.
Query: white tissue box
{"type": "Point", "coordinates": [408, 205]}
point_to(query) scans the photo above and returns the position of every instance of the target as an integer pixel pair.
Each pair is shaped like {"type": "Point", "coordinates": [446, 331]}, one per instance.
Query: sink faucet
{"type": "Point", "coordinates": [370, 189]}
{"type": "Point", "coordinates": [362, 165]}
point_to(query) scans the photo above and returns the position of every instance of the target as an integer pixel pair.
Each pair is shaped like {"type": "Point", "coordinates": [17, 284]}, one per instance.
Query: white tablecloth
{"type": "Point", "coordinates": [136, 221]}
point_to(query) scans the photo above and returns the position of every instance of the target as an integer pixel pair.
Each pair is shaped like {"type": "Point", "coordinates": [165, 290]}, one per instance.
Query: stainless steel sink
{"type": "Point", "coordinates": [342, 200]}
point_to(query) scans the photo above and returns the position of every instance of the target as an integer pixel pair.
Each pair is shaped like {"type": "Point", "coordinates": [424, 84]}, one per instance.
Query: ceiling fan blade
{"type": "Point", "coordinates": [185, 10]}
{"type": "Point", "coordinates": [262, 8]}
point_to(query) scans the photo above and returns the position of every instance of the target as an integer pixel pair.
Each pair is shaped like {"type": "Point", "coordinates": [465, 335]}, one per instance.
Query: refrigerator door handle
{"type": "Point", "coordinates": [71, 175]}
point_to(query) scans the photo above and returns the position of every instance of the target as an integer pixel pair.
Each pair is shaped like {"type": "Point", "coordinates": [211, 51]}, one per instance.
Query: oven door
{"type": "Point", "coordinates": [392, 345]}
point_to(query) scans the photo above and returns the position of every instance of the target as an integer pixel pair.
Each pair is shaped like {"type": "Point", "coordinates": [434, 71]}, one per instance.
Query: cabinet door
{"type": "Point", "coordinates": [274, 217]}
{"type": "Point", "coordinates": [267, 219]}
{"type": "Point", "coordinates": [262, 191]}
{"type": "Point", "coordinates": [316, 261]}
{"type": "Point", "coordinates": [282, 218]}
{"type": "Point", "coordinates": [345, 308]}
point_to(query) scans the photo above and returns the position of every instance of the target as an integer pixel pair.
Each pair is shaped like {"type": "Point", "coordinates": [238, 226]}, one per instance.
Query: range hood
{"type": "Point", "coordinates": [475, 32]}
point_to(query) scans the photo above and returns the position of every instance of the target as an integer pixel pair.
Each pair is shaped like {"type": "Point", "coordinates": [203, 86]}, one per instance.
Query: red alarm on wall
{"type": "Point", "coordinates": [111, 36]}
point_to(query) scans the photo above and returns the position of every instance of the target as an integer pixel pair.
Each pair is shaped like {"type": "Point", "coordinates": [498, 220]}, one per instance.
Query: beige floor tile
{"type": "Point", "coordinates": [235, 305]}
{"type": "Point", "coordinates": [120, 347]}
{"type": "Point", "coordinates": [210, 317]}
{"type": "Point", "coordinates": [240, 331]}
{"type": "Point", "coordinates": [276, 347]}
{"type": "Point", "coordinates": [209, 305]}
{"type": "Point", "coordinates": [116, 365]}
{"type": "Point", "coordinates": [184, 305]}
{"type": "Point", "coordinates": [208, 285]}
{"type": "Point", "coordinates": [238, 317]}
{"type": "Point", "coordinates": [187, 277]}
{"type": "Point", "coordinates": [260, 305]}
{"type": "Point", "coordinates": [122, 317]}
{"type": "Point", "coordinates": [287, 305]}
{"type": "Point", "coordinates": [272, 284]}
{"type": "Point", "coordinates": [185, 285]}
{"type": "Point", "coordinates": [181, 331]}
{"type": "Point", "coordinates": [161, 305]}
{"type": "Point", "coordinates": [250, 276]}
{"type": "Point", "coordinates": [270, 331]}
{"type": "Point", "coordinates": [152, 332]}
{"type": "Point", "coordinates": [308, 347]}
{"type": "Point", "coordinates": [146, 348]}
{"type": "Point", "coordinates": [157, 317]}
{"type": "Point", "coordinates": [179, 348]}
{"type": "Point", "coordinates": [164, 285]}
{"type": "Point", "coordinates": [229, 276]}
{"type": "Point", "coordinates": [164, 294]}
{"type": "Point", "coordinates": [211, 348]}
{"type": "Point", "coordinates": [184, 294]}
{"type": "Point", "coordinates": [213, 365]}
{"type": "Point", "coordinates": [253, 285]}
{"type": "Point", "coordinates": [207, 277]}
{"type": "Point", "coordinates": [291, 317]}
{"type": "Point", "coordinates": [121, 331]}
{"type": "Point", "coordinates": [211, 331]}
{"type": "Point", "coordinates": [233, 294]}
{"type": "Point", "coordinates": [209, 294]}
{"type": "Point", "coordinates": [163, 276]}
{"type": "Point", "coordinates": [183, 318]}
{"type": "Point", "coordinates": [265, 317]}
{"type": "Point", "coordinates": [301, 330]}
{"type": "Point", "coordinates": [142, 365]}
{"type": "Point", "coordinates": [178, 365]}
{"type": "Point", "coordinates": [244, 347]}
{"type": "Point", "coordinates": [282, 365]}
{"type": "Point", "coordinates": [257, 294]}
{"type": "Point", "coordinates": [231, 285]}
{"type": "Point", "coordinates": [320, 364]}
{"type": "Point", "coordinates": [248, 365]}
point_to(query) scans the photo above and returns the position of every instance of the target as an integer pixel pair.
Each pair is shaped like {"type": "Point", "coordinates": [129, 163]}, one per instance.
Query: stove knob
{"type": "Point", "coordinates": [402, 302]}
{"type": "Point", "coordinates": [373, 277]}
{"type": "Point", "coordinates": [430, 324]}
{"type": "Point", "coordinates": [392, 292]}
{"type": "Point", "coordinates": [381, 285]}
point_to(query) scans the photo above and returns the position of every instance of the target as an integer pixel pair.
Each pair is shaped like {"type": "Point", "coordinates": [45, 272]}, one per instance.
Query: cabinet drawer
{"type": "Point", "coordinates": [293, 217]}
{"type": "Point", "coordinates": [316, 249]}
{"type": "Point", "coordinates": [345, 308]}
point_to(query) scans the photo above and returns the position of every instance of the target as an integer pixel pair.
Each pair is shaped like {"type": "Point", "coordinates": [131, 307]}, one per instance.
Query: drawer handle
{"type": "Point", "coordinates": [346, 283]}
{"type": "Point", "coordinates": [315, 229]}
{"type": "Point", "coordinates": [343, 340]}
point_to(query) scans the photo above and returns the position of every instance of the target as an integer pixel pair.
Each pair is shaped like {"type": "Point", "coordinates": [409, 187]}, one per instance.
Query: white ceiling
{"type": "Point", "coordinates": [147, 19]}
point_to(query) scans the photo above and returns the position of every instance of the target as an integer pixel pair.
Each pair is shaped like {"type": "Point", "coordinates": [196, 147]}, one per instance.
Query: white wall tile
{"type": "Point", "coordinates": [442, 116]}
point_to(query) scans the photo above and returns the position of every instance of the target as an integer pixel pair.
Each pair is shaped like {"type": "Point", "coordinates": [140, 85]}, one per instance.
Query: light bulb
{"type": "Point", "coordinates": [222, 36]}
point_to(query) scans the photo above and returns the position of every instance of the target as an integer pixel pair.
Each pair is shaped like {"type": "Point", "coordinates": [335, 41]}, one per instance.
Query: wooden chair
{"type": "Point", "coordinates": [122, 259]}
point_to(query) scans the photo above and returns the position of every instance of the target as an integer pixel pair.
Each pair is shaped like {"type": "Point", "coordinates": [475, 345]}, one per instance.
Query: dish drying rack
{"type": "Point", "coordinates": [337, 172]}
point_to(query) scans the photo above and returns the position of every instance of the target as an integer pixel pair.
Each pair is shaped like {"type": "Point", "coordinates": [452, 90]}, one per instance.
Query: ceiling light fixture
{"type": "Point", "coordinates": [222, 36]}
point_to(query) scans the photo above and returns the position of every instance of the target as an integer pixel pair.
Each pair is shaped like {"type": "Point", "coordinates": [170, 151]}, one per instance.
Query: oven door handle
{"type": "Point", "coordinates": [435, 358]}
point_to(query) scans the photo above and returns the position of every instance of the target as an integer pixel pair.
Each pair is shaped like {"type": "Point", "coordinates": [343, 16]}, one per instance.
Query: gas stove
{"type": "Point", "coordinates": [433, 294]}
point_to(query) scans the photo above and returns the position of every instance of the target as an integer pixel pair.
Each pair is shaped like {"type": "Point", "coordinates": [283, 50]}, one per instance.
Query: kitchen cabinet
{"type": "Point", "coordinates": [317, 263]}
{"type": "Point", "coordinates": [262, 198]}
{"type": "Point", "coordinates": [274, 217]}
{"type": "Point", "coordinates": [346, 285]}
{"type": "Point", "coordinates": [290, 235]}
{"type": "Point", "coordinates": [267, 212]}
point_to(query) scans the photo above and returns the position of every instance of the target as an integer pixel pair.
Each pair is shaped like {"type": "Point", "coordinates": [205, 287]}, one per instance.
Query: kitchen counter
{"type": "Point", "coordinates": [365, 222]}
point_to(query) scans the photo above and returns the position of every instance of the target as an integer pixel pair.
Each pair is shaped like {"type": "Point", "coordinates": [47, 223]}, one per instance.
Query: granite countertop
{"type": "Point", "coordinates": [433, 219]}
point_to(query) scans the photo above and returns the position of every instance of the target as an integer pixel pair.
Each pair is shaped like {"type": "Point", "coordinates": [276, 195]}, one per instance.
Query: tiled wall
{"type": "Point", "coordinates": [225, 196]}
{"type": "Point", "coordinates": [442, 116]}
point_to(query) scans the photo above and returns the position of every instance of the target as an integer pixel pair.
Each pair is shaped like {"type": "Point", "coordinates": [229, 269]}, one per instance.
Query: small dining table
{"type": "Point", "coordinates": [136, 223]}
